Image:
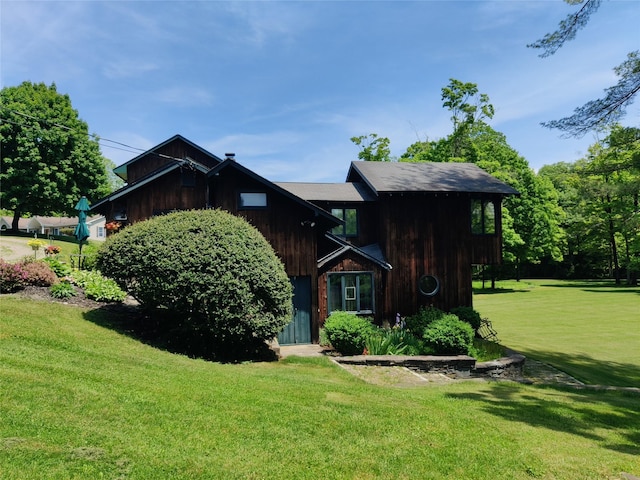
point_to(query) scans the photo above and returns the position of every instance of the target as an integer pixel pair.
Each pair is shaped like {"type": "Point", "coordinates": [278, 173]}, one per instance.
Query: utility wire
{"type": "Point", "coordinates": [98, 138]}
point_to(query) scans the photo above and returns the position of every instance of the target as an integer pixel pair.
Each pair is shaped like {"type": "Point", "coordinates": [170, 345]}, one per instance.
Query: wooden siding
{"type": "Point", "coordinates": [426, 234]}
{"type": "Point", "coordinates": [367, 220]}
{"type": "Point", "coordinates": [350, 262]}
{"type": "Point", "coordinates": [281, 223]}
{"type": "Point", "coordinates": [156, 159]}
{"type": "Point", "coordinates": [164, 194]}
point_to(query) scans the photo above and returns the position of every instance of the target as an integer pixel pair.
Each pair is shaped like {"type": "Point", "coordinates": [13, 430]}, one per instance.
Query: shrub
{"type": "Point", "coordinates": [449, 336]}
{"type": "Point", "coordinates": [38, 273]}
{"type": "Point", "coordinates": [485, 350]}
{"type": "Point", "coordinates": [392, 341]}
{"type": "Point", "coordinates": [417, 323]}
{"type": "Point", "coordinates": [59, 268]}
{"type": "Point", "coordinates": [348, 332]}
{"type": "Point", "coordinates": [213, 272]}
{"type": "Point", "coordinates": [97, 287]}
{"type": "Point", "coordinates": [12, 277]}
{"type": "Point", "coordinates": [62, 290]}
{"type": "Point", "coordinates": [469, 315]}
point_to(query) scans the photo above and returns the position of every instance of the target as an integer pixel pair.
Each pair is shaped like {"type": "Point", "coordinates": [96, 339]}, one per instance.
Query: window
{"type": "Point", "coordinates": [253, 200]}
{"type": "Point", "coordinates": [102, 232]}
{"type": "Point", "coordinates": [428, 285]}
{"type": "Point", "coordinates": [188, 178]}
{"type": "Point", "coordinates": [350, 217]}
{"type": "Point", "coordinates": [483, 217]}
{"type": "Point", "coordinates": [350, 292]}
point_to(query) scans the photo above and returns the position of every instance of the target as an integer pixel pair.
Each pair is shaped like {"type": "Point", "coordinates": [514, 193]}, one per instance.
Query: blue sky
{"type": "Point", "coordinates": [285, 85]}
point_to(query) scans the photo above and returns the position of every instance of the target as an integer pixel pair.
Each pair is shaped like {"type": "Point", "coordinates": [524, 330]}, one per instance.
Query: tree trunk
{"type": "Point", "coordinates": [612, 241]}
{"type": "Point", "coordinates": [15, 221]}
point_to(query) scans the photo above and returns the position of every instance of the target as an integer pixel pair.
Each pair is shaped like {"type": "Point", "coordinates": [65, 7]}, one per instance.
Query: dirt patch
{"type": "Point", "coordinates": [79, 300]}
{"type": "Point", "coordinates": [12, 249]}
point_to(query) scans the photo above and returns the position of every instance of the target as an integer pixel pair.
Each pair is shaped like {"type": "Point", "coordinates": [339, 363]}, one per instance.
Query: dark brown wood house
{"type": "Point", "coordinates": [392, 238]}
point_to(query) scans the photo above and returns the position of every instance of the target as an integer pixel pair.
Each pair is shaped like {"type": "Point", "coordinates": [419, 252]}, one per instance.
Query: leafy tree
{"type": "Point", "coordinates": [48, 158]}
{"type": "Point", "coordinates": [599, 194]}
{"type": "Point", "coordinates": [531, 222]}
{"type": "Point", "coordinates": [373, 148]}
{"type": "Point", "coordinates": [468, 107]}
{"type": "Point", "coordinates": [605, 111]}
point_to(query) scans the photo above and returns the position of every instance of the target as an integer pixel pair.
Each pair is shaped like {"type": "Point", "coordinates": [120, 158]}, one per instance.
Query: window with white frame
{"type": "Point", "coordinates": [350, 292]}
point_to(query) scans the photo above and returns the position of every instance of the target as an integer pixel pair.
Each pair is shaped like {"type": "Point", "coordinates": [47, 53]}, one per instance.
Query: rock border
{"type": "Point", "coordinates": [454, 366]}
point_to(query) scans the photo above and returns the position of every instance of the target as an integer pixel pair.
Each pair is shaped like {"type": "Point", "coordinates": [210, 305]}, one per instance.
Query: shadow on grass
{"type": "Point", "coordinates": [604, 286]}
{"type": "Point", "coordinates": [493, 291]}
{"type": "Point", "coordinates": [168, 333]}
{"type": "Point", "coordinates": [590, 370]}
{"type": "Point", "coordinates": [609, 417]}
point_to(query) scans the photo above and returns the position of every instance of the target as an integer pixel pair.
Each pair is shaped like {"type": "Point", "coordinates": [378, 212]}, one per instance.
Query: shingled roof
{"type": "Point", "coordinates": [330, 192]}
{"type": "Point", "coordinates": [388, 177]}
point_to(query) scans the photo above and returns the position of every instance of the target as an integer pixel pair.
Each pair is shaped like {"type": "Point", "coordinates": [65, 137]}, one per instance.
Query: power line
{"type": "Point", "coordinates": [127, 148]}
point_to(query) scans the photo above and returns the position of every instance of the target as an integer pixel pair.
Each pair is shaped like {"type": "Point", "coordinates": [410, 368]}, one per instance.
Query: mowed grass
{"type": "Point", "coordinates": [589, 329]}
{"type": "Point", "coordinates": [81, 401]}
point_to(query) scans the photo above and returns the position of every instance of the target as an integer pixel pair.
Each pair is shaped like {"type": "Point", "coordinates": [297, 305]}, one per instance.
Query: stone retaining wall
{"type": "Point", "coordinates": [458, 366]}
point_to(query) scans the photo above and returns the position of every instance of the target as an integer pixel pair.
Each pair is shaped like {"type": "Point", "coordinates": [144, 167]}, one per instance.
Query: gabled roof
{"type": "Point", "coordinates": [150, 177]}
{"type": "Point", "coordinates": [389, 177]}
{"type": "Point", "coordinates": [231, 163]}
{"type": "Point", "coordinates": [57, 222]}
{"type": "Point", "coordinates": [373, 252]}
{"type": "Point", "coordinates": [121, 170]}
{"type": "Point", "coordinates": [7, 221]}
{"type": "Point", "coordinates": [330, 192]}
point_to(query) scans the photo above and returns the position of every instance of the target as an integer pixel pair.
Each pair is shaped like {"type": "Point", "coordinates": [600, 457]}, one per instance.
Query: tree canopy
{"type": "Point", "coordinates": [532, 221]}
{"type": "Point", "coordinates": [600, 195]}
{"type": "Point", "coordinates": [605, 111]}
{"type": "Point", "coordinates": [49, 160]}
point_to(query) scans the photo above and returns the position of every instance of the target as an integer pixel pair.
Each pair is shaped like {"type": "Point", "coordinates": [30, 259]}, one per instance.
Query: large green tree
{"type": "Point", "coordinates": [49, 160]}
{"type": "Point", "coordinates": [600, 195]}
{"type": "Point", "coordinates": [605, 111]}
{"type": "Point", "coordinates": [532, 221]}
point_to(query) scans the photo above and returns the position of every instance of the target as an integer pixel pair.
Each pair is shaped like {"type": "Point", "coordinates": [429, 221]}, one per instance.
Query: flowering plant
{"type": "Point", "coordinates": [36, 244]}
{"type": "Point", "coordinates": [113, 226]}
{"type": "Point", "coordinates": [52, 250]}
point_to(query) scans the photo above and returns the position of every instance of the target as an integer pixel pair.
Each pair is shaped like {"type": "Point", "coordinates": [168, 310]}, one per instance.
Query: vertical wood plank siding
{"type": "Point", "coordinates": [426, 234]}
{"type": "Point", "coordinates": [164, 194]}
{"type": "Point", "coordinates": [352, 263]}
{"type": "Point", "coordinates": [280, 223]}
{"type": "Point", "coordinates": [155, 160]}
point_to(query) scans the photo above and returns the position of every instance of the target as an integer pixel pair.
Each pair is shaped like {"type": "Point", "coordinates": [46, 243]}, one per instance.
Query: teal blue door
{"type": "Point", "coordinates": [299, 330]}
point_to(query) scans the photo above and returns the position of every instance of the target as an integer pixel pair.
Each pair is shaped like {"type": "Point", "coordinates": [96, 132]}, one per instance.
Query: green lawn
{"type": "Point", "coordinates": [589, 329]}
{"type": "Point", "coordinates": [82, 401]}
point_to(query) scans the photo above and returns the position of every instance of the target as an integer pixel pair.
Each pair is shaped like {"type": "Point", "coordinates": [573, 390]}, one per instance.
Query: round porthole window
{"type": "Point", "coordinates": [428, 285]}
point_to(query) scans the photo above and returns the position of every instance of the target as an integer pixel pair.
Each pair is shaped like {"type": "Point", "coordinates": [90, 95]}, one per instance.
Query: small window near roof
{"type": "Point", "coordinates": [253, 200]}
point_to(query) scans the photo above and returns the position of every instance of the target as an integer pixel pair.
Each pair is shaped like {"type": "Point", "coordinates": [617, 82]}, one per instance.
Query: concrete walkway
{"type": "Point", "coordinates": [306, 350]}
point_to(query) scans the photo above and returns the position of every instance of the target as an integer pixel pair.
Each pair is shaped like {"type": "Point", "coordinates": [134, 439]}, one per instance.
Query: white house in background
{"type": "Point", "coordinates": [5, 223]}
{"type": "Point", "coordinates": [96, 224]}
{"type": "Point", "coordinates": [44, 226]}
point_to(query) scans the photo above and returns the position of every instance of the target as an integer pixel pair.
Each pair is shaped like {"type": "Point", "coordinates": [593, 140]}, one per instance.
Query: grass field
{"type": "Point", "coordinates": [81, 401]}
{"type": "Point", "coordinates": [589, 329]}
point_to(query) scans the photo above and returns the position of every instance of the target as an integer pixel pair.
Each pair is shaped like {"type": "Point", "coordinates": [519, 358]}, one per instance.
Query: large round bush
{"type": "Point", "coordinates": [214, 272]}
